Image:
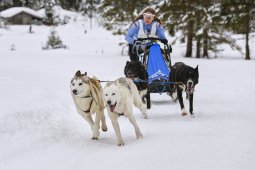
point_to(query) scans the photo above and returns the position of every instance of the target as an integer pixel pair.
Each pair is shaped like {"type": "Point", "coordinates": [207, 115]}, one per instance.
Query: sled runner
{"type": "Point", "coordinates": [157, 62]}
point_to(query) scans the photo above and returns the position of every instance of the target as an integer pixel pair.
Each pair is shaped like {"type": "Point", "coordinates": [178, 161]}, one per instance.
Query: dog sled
{"type": "Point", "coordinates": [157, 62]}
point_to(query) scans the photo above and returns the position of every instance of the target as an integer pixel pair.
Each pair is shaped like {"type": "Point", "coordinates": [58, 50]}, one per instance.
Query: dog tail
{"type": "Point", "coordinates": [97, 92]}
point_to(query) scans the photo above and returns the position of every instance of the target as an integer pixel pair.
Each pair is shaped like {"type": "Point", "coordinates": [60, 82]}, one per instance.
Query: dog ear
{"type": "Point", "coordinates": [85, 77]}
{"type": "Point", "coordinates": [78, 73]}
{"type": "Point", "coordinates": [117, 83]}
{"type": "Point", "coordinates": [196, 69]}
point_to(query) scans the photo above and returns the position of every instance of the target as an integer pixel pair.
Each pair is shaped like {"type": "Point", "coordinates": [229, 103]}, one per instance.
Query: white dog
{"type": "Point", "coordinates": [88, 97]}
{"type": "Point", "coordinates": [120, 96]}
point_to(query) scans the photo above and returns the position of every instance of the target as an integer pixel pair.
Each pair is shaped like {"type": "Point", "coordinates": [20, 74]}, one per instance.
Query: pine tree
{"type": "Point", "coordinates": [54, 41]}
{"type": "Point", "coordinates": [179, 15]}
{"type": "Point", "coordinates": [70, 4]}
{"type": "Point", "coordinates": [27, 3]}
{"type": "Point", "coordinates": [89, 7]}
{"type": "Point", "coordinates": [199, 21]}
{"type": "Point", "coordinates": [5, 4]}
{"type": "Point", "coordinates": [237, 16]}
{"type": "Point", "coordinates": [48, 5]}
{"type": "Point", "coordinates": [120, 13]}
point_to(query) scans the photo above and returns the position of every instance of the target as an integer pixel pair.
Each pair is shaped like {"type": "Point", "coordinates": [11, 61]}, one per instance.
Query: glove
{"type": "Point", "coordinates": [164, 41]}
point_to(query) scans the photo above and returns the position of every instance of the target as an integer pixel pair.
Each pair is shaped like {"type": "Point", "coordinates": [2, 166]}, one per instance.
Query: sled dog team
{"type": "Point", "coordinates": [118, 97]}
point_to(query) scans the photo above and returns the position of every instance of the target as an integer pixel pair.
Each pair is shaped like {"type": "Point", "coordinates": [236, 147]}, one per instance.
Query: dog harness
{"type": "Point", "coordinates": [88, 110]}
{"type": "Point", "coordinates": [86, 97]}
{"type": "Point", "coordinates": [120, 114]}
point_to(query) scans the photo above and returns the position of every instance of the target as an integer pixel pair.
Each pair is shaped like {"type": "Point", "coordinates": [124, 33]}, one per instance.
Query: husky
{"type": "Point", "coordinates": [187, 78]}
{"type": "Point", "coordinates": [88, 98]}
{"type": "Point", "coordinates": [120, 97]}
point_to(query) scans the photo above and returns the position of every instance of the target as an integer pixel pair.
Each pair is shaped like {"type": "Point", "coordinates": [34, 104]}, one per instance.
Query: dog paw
{"type": "Point", "coordinates": [139, 136]}
{"type": "Point", "coordinates": [94, 138]}
{"type": "Point", "coordinates": [104, 129]}
{"type": "Point", "coordinates": [184, 113]}
{"type": "Point", "coordinates": [145, 116]}
{"type": "Point", "coordinates": [121, 144]}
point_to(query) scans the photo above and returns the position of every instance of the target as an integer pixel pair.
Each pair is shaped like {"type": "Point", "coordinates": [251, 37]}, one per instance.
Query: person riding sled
{"type": "Point", "coordinates": [145, 25]}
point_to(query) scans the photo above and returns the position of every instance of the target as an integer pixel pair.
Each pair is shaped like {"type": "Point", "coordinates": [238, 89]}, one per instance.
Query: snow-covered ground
{"type": "Point", "coordinates": [40, 128]}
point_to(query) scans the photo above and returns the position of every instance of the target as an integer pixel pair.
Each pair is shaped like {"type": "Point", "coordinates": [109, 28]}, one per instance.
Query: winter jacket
{"type": "Point", "coordinates": [139, 29]}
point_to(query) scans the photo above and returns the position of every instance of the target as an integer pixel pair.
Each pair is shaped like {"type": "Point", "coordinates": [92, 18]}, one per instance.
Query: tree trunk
{"type": "Point", "coordinates": [189, 38]}
{"type": "Point", "coordinates": [205, 43]}
{"type": "Point", "coordinates": [198, 47]}
{"type": "Point", "coordinates": [198, 37]}
{"type": "Point", "coordinates": [247, 49]}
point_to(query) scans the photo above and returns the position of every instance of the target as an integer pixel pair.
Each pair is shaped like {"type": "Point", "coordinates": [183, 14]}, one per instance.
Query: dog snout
{"type": "Point", "coordinates": [75, 91]}
{"type": "Point", "coordinates": [190, 83]}
{"type": "Point", "coordinates": [109, 102]}
{"type": "Point", "coordinates": [129, 74]}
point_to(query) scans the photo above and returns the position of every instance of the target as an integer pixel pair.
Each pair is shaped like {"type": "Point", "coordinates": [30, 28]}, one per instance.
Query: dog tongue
{"type": "Point", "coordinates": [112, 107]}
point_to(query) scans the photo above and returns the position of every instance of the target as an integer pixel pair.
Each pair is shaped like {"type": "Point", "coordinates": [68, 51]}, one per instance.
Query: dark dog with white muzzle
{"type": "Point", "coordinates": [137, 72]}
{"type": "Point", "coordinates": [186, 78]}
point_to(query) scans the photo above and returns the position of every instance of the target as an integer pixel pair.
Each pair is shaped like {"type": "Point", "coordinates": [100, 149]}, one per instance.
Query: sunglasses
{"type": "Point", "coordinates": [148, 16]}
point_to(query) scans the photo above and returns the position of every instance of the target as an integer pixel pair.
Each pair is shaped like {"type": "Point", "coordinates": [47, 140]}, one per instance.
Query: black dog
{"type": "Point", "coordinates": [136, 71]}
{"type": "Point", "coordinates": [186, 78]}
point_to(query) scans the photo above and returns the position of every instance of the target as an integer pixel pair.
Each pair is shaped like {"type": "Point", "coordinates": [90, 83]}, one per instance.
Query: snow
{"type": "Point", "coordinates": [16, 10]}
{"type": "Point", "coordinates": [40, 128]}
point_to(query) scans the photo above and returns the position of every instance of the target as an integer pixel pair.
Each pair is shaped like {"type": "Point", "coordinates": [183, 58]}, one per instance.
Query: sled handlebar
{"type": "Point", "coordinates": [149, 40]}
{"type": "Point", "coordinates": [141, 44]}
